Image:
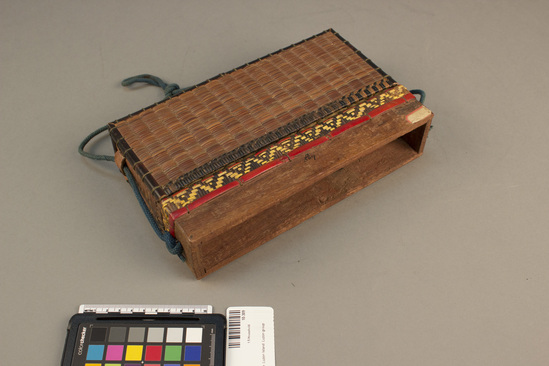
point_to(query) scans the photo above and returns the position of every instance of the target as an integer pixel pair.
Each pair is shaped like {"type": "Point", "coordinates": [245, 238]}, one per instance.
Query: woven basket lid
{"type": "Point", "coordinates": [180, 140]}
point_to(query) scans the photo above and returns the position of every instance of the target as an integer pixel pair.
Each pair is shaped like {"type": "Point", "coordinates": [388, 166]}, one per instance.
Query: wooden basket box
{"type": "Point", "coordinates": [240, 158]}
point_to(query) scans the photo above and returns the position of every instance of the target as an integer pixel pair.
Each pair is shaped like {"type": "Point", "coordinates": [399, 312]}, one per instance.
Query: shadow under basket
{"type": "Point", "coordinates": [235, 161]}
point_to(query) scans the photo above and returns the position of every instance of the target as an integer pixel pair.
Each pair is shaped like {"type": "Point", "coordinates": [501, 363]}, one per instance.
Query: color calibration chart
{"type": "Point", "coordinates": [144, 346]}
{"type": "Point", "coordinates": [145, 340]}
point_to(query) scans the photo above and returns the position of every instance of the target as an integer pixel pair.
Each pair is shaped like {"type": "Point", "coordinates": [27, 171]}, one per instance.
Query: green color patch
{"type": "Point", "coordinates": [172, 353]}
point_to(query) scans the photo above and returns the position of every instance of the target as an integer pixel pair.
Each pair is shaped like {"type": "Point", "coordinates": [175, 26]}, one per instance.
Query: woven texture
{"type": "Point", "coordinates": [179, 141]}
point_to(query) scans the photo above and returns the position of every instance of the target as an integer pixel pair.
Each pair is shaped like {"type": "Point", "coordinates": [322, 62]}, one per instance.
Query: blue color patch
{"type": "Point", "coordinates": [95, 352]}
{"type": "Point", "coordinates": [192, 353]}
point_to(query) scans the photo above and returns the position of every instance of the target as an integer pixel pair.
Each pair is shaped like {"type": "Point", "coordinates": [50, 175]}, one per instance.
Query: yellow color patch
{"type": "Point", "coordinates": [134, 353]}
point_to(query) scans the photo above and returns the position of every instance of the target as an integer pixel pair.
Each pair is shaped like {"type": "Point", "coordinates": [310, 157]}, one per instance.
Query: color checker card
{"type": "Point", "coordinates": [145, 340]}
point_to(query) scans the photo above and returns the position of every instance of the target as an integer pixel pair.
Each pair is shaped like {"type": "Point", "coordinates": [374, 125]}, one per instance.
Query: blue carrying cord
{"type": "Point", "coordinates": [421, 94]}
{"type": "Point", "coordinates": [170, 90]}
{"type": "Point", "coordinates": [88, 139]}
{"type": "Point", "coordinates": [172, 244]}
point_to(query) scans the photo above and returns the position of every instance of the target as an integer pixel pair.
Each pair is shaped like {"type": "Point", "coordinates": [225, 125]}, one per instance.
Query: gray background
{"type": "Point", "coordinates": [444, 262]}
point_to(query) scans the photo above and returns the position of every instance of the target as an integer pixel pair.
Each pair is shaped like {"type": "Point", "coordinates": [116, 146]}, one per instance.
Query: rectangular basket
{"type": "Point", "coordinates": [240, 158]}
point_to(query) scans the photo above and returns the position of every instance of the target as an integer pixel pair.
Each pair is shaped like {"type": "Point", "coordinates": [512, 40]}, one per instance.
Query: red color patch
{"type": "Point", "coordinates": [153, 353]}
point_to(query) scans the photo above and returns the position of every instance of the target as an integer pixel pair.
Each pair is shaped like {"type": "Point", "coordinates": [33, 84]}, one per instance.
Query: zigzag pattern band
{"type": "Point", "coordinates": [280, 149]}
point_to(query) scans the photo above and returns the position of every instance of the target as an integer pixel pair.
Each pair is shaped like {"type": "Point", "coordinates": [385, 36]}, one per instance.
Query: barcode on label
{"type": "Point", "coordinates": [250, 336]}
{"type": "Point", "coordinates": [234, 328]}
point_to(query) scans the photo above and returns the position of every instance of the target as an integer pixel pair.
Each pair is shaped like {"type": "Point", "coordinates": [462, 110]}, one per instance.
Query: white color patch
{"type": "Point", "coordinates": [194, 335]}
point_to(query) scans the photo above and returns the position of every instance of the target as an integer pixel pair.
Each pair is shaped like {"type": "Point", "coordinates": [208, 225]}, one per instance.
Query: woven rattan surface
{"type": "Point", "coordinates": [177, 141]}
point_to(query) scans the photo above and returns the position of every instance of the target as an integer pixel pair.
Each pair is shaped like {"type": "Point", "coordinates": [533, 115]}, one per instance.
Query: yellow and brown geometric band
{"type": "Point", "coordinates": [187, 198]}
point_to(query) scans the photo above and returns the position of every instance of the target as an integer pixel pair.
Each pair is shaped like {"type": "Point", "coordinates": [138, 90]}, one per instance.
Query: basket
{"type": "Point", "coordinates": [228, 153]}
